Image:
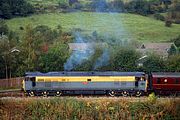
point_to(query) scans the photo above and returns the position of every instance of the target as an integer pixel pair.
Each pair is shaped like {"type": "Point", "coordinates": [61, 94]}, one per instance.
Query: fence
{"type": "Point", "coordinates": [11, 83]}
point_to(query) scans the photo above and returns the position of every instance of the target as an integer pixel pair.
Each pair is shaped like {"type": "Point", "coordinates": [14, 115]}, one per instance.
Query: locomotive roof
{"type": "Point", "coordinates": [64, 73]}
{"type": "Point", "coordinates": [166, 74]}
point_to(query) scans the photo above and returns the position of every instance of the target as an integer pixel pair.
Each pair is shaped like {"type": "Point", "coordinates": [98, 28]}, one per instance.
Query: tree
{"type": "Point", "coordinates": [174, 13]}
{"type": "Point", "coordinates": [71, 2]}
{"type": "Point", "coordinates": [63, 4]}
{"type": "Point", "coordinates": [3, 28]}
{"type": "Point", "coordinates": [154, 63]}
{"type": "Point", "coordinates": [177, 41]}
{"type": "Point", "coordinates": [124, 60]}
{"type": "Point", "coordinates": [29, 47]}
{"type": "Point", "coordinates": [54, 59]}
{"type": "Point", "coordinates": [11, 8]}
{"type": "Point", "coordinates": [7, 54]}
{"type": "Point", "coordinates": [172, 50]}
{"type": "Point", "coordinates": [173, 63]}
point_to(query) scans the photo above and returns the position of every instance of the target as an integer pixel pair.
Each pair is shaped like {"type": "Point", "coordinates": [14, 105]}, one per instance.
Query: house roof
{"type": "Point", "coordinates": [80, 46]}
{"type": "Point", "coordinates": [158, 48]}
{"type": "Point", "coordinates": [84, 46]}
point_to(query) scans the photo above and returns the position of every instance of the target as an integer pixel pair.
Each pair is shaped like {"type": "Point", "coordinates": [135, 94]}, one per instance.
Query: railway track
{"type": "Point", "coordinates": [19, 94]}
{"type": "Point", "coordinates": [11, 93]}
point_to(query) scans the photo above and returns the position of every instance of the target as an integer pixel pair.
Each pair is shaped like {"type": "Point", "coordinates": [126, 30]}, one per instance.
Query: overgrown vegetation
{"type": "Point", "coordinates": [71, 108]}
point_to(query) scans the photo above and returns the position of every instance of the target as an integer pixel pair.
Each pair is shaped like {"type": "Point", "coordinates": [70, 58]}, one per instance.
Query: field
{"type": "Point", "coordinates": [122, 26]}
{"type": "Point", "coordinates": [68, 108]}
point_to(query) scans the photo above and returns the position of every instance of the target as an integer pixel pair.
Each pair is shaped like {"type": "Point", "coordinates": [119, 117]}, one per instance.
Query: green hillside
{"type": "Point", "coordinates": [122, 26]}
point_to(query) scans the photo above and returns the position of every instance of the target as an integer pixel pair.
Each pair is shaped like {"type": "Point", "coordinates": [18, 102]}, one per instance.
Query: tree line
{"type": "Point", "coordinates": [13, 8]}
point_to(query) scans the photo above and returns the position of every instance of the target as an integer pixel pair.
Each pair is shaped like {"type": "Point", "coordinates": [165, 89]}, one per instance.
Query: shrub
{"type": "Point", "coordinates": [21, 28]}
{"type": "Point", "coordinates": [152, 98]}
{"type": "Point", "coordinates": [168, 23]}
{"type": "Point", "coordinates": [177, 41]}
{"type": "Point", "coordinates": [159, 17]}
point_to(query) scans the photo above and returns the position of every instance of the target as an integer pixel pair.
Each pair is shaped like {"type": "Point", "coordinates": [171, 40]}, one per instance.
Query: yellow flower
{"type": "Point", "coordinates": [111, 108]}
{"type": "Point", "coordinates": [88, 104]}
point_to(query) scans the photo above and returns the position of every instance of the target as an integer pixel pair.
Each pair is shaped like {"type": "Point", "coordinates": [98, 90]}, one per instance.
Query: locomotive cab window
{"type": "Point", "coordinates": [33, 81]}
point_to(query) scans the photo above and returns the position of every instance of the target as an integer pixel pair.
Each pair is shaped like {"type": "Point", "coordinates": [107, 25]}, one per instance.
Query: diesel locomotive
{"type": "Point", "coordinates": [110, 83]}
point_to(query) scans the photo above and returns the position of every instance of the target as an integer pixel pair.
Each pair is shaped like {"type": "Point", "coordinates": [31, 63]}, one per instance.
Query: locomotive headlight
{"type": "Point", "coordinates": [57, 92]}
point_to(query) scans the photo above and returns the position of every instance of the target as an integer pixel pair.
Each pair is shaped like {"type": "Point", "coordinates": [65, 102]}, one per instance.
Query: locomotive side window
{"type": "Point", "coordinates": [123, 83]}
{"type": "Point", "coordinates": [136, 83]}
{"type": "Point", "coordinates": [33, 81]}
{"type": "Point", "coordinates": [158, 80]}
{"type": "Point", "coordinates": [89, 80]}
{"type": "Point", "coordinates": [137, 80]}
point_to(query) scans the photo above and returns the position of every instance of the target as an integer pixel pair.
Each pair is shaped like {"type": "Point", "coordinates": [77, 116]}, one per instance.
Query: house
{"type": "Point", "coordinates": [85, 46]}
{"type": "Point", "coordinates": [161, 49]}
{"type": "Point", "coordinates": [80, 46]}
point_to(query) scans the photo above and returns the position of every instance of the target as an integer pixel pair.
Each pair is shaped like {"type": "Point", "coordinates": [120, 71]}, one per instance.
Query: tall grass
{"type": "Point", "coordinates": [90, 109]}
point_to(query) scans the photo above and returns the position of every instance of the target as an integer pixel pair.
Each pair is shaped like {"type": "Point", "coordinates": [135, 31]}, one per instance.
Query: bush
{"type": "Point", "coordinates": [3, 28]}
{"type": "Point", "coordinates": [152, 98]}
{"type": "Point", "coordinates": [177, 41]}
{"type": "Point", "coordinates": [168, 23]}
{"type": "Point", "coordinates": [21, 28]}
{"type": "Point", "coordinates": [159, 17]}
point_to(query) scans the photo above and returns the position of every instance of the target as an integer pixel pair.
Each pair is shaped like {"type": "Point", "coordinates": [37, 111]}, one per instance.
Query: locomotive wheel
{"type": "Point", "coordinates": [44, 94]}
{"type": "Point", "coordinates": [112, 93]}
{"type": "Point", "coordinates": [125, 93]}
{"type": "Point", "coordinates": [31, 93]}
{"type": "Point", "coordinates": [138, 93]}
{"type": "Point", "coordinates": [58, 93]}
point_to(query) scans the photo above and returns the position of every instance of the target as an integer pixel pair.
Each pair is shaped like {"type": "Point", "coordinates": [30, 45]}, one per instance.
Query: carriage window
{"type": "Point", "coordinates": [158, 80]}
{"type": "Point", "coordinates": [33, 81]}
{"type": "Point", "coordinates": [177, 81]}
{"type": "Point", "coordinates": [89, 80]}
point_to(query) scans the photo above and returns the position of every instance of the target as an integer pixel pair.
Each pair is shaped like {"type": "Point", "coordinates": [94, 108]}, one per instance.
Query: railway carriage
{"type": "Point", "coordinates": [58, 83]}
{"type": "Point", "coordinates": [165, 83]}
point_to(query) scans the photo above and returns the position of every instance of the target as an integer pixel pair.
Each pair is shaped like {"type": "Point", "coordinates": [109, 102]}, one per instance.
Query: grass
{"type": "Point", "coordinates": [122, 26]}
{"type": "Point", "coordinates": [87, 109]}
